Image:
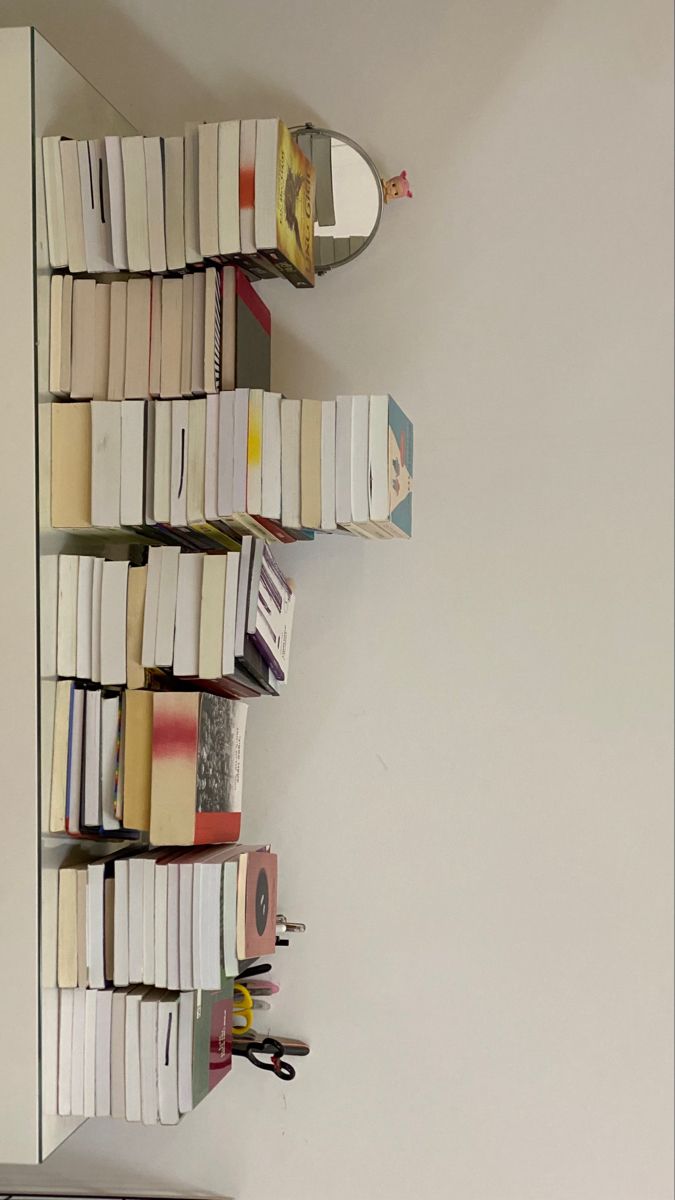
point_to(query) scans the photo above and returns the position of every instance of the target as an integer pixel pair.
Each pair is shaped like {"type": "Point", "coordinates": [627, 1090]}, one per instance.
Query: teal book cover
{"type": "Point", "coordinates": [400, 451]}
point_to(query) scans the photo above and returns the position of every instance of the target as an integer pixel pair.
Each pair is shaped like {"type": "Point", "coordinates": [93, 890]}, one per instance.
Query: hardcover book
{"type": "Point", "coordinates": [197, 761]}
{"type": "Point", "coordinates": [284, 203]}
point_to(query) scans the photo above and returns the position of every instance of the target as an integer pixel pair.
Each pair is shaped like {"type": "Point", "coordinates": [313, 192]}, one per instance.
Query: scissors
{"type": "Point", "coordinates": [243, 1010]}
{"type": "Point", "coordinates": [267, 1046]}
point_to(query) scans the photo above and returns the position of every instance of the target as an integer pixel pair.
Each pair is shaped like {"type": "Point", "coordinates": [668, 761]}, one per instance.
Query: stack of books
{"type": "Point", "coordinates": [167, 336]}
{"type": "Point", "coordinates": [231, 190]}
{"type": "Point", "coordinates": [114, 773]}
{"type": "Point", "coordinates": [197, 616]}
{"type": "Point", "coordinates": [148, 949]}
{"type": "Point", "coordinates": [141, 1054]}
{"type": "Point", "coordinates": [167, 918]}
{"type": "Point", "coordinates": [184, 638]}
{"type": "Point", "coordinates": [207, 470]}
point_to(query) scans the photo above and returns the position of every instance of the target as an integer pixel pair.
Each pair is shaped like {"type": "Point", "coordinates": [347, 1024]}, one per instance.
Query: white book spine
{"type": "Point", "coordinates": [271, 456]}
{"type": "Point", "coordinates": [66, 1003]}
{"type": "Point", "coordinates": [118, 226]}
{"type": "Point", "coordinates": [378, 458]}
{"type": "Point", "coordinates": [161, 885]}
{"type": "Point", "coordinates": [167, 1061]}
{"type": "Point", "coordinates": [72, 200]}
{"type": "Point", "coordinates": [328, 465]}
{"type": "Point", "coordinates": [56, 213]}
{"type": "Point", "coordinates": [208, 189]}
{"type": "Point", "coordinates": [49, 600]}
{"type": "Point", "coordinates": [66, 646]}
{"type": "Point", "coordinates": [179, 462]}
{"type": "Point", "coordinates": [185, 925]}
{"type": "Point", "coordinates": [226, 454]}
{"type": "Point", "coordinates": [191, 181]}
{"type": "Point", "coordinates": [96, 590]}
{"type": "Point", "coordinates": [90, 1005]}
{"type": "Point", "coordinates": [136, 920]}
{"type": "Point", "coordinates": [136, 204]}
{"type": "Point", "coordinates": [166, 607]}
{"type": "Point", "coordinates": [162, 462]}
{"type": "Point", "coordinates": [77, 1056]}
{"type": "Point", "coordinates": [121, 934]}
{"type": "Point", "coordinates": [106, 451]}
{"type": "Point", "coordinates": [132, 462]}
{"type": "Point", "coordinates": [132, 1057]}
{"type": "Point", "coordinates": [174, 203]}
{"type": "Point", "coordinates": [230, 612]}
{"type": "Point", "coordinates": [149, 920]}
{"type": "Point", "coordinates": [149, 1057]}
{"type": "Point", "coordinates": [229, 237]}
{"type": "Point", "coordinates": [172, 928]}
{"type": "Point", "coordinates": [343, 460]}
{"type": "Point", "coordinates": [114, 623]}
{"type": "Point", "coordinates": [103, 1037]}
{"type": "Point", "coordinates": [188, 604]}
{"type": "Point", "coordinates": [154, 183]}
{"type": "Point", "coordinates": [151, 607]}
{"type": "Point", "coordinates": [290, 463]}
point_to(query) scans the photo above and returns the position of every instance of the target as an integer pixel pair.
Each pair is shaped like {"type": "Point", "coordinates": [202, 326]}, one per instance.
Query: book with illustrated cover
{"type": "Point", "coordinates": [197, 765]}
{"type": "Point", "coordinates": [204, 1042]}
{"type": "Point", "coordinates": [284, 203]}
{"type": "Point", "coordinates": [390, 467]}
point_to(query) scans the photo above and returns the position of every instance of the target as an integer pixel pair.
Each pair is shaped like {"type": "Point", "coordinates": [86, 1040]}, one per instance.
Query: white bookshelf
{"type": "Point", "coordinates": [40, 93]}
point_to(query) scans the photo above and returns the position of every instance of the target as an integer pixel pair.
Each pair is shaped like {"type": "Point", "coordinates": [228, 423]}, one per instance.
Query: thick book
{"type": "Point", "coordinates": [204, 1042]}
{"type": "Point", "coordinates": [197, 762]}
{"type": "Point", "coordinates": [56, 213]}
{"type": "Point", "coordinates": [284, 203]}
{"type": "Point", "coordinates": [391, 467]}
{"type": "Point", "coordinates": [274, 611]}
{"type": "Point", "coordinates": [71, 466]}
{"type": "Point", "coordinates": [246, 334]}
{"type": "Point", "coordinates": [72, 200]}
{"type": "Point", "coordinates": [136, 203]}
{"type": "Point", "coordinates": [256, 904]}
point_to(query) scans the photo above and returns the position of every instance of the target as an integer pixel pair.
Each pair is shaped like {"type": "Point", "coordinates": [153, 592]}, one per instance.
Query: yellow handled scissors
{"type": "Point", "coordinates": [243, 1010]}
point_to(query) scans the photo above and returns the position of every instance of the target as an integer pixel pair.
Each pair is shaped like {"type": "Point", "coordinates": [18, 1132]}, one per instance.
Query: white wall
{"type": "Point", "coordinates": [468, 780]}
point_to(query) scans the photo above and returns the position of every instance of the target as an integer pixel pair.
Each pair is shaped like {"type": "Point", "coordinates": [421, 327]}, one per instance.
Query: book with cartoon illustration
{"type": "Point", "coordinates": [390, 454]}
{"type": "Point", "coordinates": [284, 203]}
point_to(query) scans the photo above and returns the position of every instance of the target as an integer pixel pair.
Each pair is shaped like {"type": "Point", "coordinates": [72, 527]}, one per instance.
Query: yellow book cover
{"type": "Point", "coordinates": [295, 205]}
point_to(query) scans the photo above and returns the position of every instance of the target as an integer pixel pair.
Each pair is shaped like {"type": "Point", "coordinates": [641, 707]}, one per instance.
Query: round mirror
{"type": "Point", "coordinates": [349, 196]}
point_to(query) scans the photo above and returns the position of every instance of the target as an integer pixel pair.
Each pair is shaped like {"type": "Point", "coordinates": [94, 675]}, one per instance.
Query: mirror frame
{"type": "Point", "coordinates": [308, 127]}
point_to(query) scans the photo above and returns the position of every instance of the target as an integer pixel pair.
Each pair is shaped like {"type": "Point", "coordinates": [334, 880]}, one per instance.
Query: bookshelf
{"type": "Point", "coordinates": [237, 506]}
{"type": "Point", "coordinates": [41, 93]}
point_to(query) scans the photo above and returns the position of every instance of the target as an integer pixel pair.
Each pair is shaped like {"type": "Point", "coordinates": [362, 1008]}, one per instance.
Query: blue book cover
{"type": "Point", "coordinates": [400, 453]}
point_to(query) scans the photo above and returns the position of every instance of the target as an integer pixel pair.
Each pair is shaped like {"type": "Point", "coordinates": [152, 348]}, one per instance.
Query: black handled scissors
{"type": "Point", "coordinates": [267, 1046]}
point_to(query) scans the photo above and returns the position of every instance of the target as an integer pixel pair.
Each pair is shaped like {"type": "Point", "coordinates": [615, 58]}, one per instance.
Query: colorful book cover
{"type": "Point", "coordinates": [253, 329]}
{"type": "Point", "coordinates": [256, 933]}
{"type": "Point", "coordinates": [400, 452]}
{"type": "Point", "coordinates": [212, 1039]}
{"type": "Point", "coordinates": [220, 757]}
{"type": "Point", "coordinates": [295, 207]}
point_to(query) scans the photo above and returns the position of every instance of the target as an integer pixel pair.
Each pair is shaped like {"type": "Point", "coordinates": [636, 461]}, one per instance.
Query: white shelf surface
{"type": "Point", "coordinates": [40, 94]}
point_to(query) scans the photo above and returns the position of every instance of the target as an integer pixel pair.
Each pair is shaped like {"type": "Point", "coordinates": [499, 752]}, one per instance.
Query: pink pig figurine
{"type": "Point", "coordinates": [396, 187]}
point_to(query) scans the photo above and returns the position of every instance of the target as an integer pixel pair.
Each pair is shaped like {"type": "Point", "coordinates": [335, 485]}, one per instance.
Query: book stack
{"type": "Point", "coordinates": [148, 949]}
{"type": "Point", "coordinates": [168, 336]}
{"type": "Point", "coordinates": [206, 471]}
{"type": "Point", "coordinates": [166, 917]}
{"type": "Point", "coordinates": [141, 1054]}
{"type": "Point", "coordinates": [232, 190]}
{"type": "Point", "coordinates": [108, 760]}
{"type": "Point", "coordinates": [191, 615]}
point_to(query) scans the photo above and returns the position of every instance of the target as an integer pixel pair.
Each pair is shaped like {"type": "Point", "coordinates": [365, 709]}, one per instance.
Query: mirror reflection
{"type": "Point", "coordinates": [348, 197]}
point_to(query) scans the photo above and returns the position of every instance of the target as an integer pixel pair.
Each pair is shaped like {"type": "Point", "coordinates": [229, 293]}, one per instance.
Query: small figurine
{"type": "Point", "coordinates": [396, 187]}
